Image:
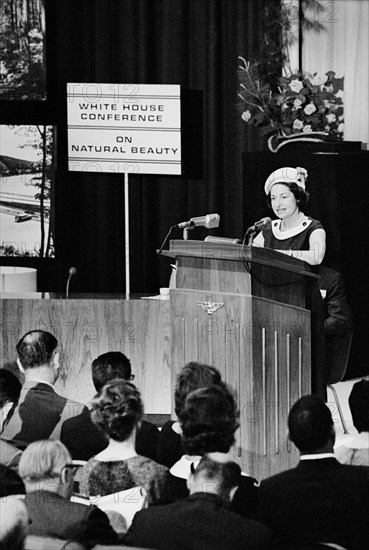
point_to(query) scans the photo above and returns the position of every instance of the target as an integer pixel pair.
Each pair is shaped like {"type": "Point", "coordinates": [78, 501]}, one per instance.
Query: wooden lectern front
{"type": "Point", "coordinates": [245, 310]}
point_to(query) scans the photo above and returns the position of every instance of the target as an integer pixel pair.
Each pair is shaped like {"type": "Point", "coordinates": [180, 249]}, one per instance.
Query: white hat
{"type": "Point", "coordinates": [286, 175]}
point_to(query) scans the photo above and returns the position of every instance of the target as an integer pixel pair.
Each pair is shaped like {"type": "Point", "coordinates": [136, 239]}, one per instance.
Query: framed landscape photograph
{"type": "Point", "coordinates": [22, 50]}
{"type": "Point", "coordinates": [27, 173]}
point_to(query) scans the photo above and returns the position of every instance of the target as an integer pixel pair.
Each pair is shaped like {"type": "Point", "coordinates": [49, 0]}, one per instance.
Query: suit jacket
{"type": "Point", "coordinates": [338, 324]}
{"type": "Point", "coordinates": [40, 414]}
{"type": "Point", "coordinates": [202, 521]}
{"type": "Point", "coordinates": [54, 516]}
{"type": "Point", "coordinates": [319, 500]}
{"type": "Point", "coordinates": [84, 440]}
{"type": "Point", "coordinates": [338, 314]}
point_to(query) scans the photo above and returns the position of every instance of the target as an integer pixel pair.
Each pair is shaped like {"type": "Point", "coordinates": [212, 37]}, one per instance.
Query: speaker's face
{"type": "Point", "coordinates": [283, 201]}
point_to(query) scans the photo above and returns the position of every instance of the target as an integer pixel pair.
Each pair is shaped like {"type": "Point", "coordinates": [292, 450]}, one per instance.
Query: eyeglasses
{"type": "Point", "coordinates": [72, 467]}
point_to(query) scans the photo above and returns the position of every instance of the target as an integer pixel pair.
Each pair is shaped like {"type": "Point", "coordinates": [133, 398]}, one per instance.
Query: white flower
{"type": "Point", "coordinates": [297, 124]}
{"type": "Point", "coordinates": [329, 88]}
{"type": "Point", "coordinates": [341, 127]}
{"type": "Point", "coordinates": [296, 85]}
{"type": "Point", "coordinates": [307, 128]}
{"type": "Point", "coordinates": [246, 115]}
{"type": "Point", "coordinates": [310, 109]}
{"type": "Point", "coordinates": [340, 94]}
{"type": "Point", "coordinates": [297, 104]}
{"type": "Point", "coordinates": [340, 118]}
{"type": "Point", "coordinates": [330, 117]}
{"type": "Point", "coordinates": [319, 79]}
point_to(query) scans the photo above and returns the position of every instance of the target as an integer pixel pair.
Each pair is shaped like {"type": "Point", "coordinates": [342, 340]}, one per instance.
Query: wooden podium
{"type": "Point", "coordinates": [245, 310]}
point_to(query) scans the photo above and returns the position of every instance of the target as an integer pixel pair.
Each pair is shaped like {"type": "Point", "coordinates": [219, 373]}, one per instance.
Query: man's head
{"type": "Point", "coordinates": [311, 426]}
{"type": "Point", "coordinates": [46, 465]}
{"type": "Point", "coordinates": [13, 523]}
{"type": "Point", "coordinates": [10, 389]}
{"type": "Point", "coordinates": [109, 366]}
{"type": "Point", "coordinates": [211, 476]}
{"type": "Point", "coordinates": [37, 351]}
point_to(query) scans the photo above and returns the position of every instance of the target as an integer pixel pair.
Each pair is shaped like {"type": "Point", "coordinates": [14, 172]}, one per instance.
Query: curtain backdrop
{"type": "Point", "coordinates": [344, 48]}
{"type": "Point", "coordinates": [194, 43]}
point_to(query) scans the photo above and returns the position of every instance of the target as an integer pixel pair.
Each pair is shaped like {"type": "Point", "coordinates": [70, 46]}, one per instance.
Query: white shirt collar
{"type": "Point", "coordinates": [317, 456]}
{"type": "Point", "coordinates": [288, 233]}
{"type": "Point", "coordinates": [182, 468]}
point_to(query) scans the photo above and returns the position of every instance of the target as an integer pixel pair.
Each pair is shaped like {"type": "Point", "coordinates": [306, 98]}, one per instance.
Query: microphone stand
{"type": "Point", "coordinates": [185, 232]}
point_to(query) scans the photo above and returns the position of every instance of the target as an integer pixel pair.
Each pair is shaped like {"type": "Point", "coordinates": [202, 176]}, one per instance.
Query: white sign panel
{"type": "Point", "coordinates": [131, 128]}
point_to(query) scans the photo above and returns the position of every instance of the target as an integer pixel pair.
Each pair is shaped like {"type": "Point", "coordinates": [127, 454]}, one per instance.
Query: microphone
{"type": "Point", "coordinates": [72, 271]}
{"type": "Point", "coordinates": [209, 221]}
{"type": "Point", "coordinates": [258, 226]}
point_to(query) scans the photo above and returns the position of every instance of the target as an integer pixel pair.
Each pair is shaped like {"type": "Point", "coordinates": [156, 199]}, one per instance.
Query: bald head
{"type": "Point", "coordinates": [36, 349]}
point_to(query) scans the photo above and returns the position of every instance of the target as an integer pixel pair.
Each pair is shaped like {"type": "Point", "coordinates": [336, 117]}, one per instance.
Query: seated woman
{"type": "Point", "coordinates": [193, 376]}
{"type": "Point", "coordinates": [209, 420]}
{"type": "Point", "coordinates": [118, 411]}
{"type": "Point", "coordinates": [293, 233]}
{"type": "Point", "coordinates": [356, 450]}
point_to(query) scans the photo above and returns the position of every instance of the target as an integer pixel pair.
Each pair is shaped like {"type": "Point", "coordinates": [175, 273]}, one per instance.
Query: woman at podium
{"type": "Point", "coordinates": [293, 233]}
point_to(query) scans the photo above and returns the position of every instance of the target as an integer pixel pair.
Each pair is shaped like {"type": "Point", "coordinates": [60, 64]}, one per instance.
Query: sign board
{"type": "Point", "coordinates": [124, 128]}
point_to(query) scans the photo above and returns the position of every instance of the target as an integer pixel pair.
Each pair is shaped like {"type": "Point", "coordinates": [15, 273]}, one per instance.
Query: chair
{"type": "Point", "coordinates": [34, 542]}
{"type": "Point", "coordinates": [337, 355]}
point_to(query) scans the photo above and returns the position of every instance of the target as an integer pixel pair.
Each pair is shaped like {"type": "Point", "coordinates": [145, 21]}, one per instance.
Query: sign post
{"type": "Point", "coordinates": [126, 129]}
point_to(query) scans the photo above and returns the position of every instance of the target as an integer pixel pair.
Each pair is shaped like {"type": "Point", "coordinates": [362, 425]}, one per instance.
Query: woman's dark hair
{"type": "Point", "coordinates": [10, 389]}
{"type": "Point", "coordinates": [209, 420]}
{"type": "Point", "coordinates": [117, 409]}
{"type": "Point", "coordinates": [301, 196]}
{"type": "Point", "coordinates": [192, 377]}
{"type": "Point", "coordinates": [359, 405]}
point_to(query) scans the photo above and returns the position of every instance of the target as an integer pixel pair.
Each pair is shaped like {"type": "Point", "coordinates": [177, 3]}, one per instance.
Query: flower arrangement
{"type": "Point", "coordinates": [301, 104]}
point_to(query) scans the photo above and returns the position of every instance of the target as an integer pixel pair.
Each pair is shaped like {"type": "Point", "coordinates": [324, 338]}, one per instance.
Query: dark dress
{"type": "Point", "coordinates": [299, 241]}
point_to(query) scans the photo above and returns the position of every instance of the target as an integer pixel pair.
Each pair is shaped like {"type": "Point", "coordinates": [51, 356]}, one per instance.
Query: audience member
{"type": "Point", "coordinates": [13, 524]}
{"type": "Point", "coordinates": [356, 450]}
{"type": "Point", "coordinates": [117, 411]}
{"type": "Point", "coordinates": [47, 472]}
{"type": "Point", "coordinates": [10, 389]}
{"type": "Point", "coordinates": [321, 499]}
{"type": "Point", "coordinates": [203, 520]}
{"type": "Point", "coordinates": [86, 439]}
{"type": "Point", "coordinates": [41, 411]}
{"type": "Point", "coordinates": [209, 420]}
{"type": "Point", "coordinates": [192, 377]}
